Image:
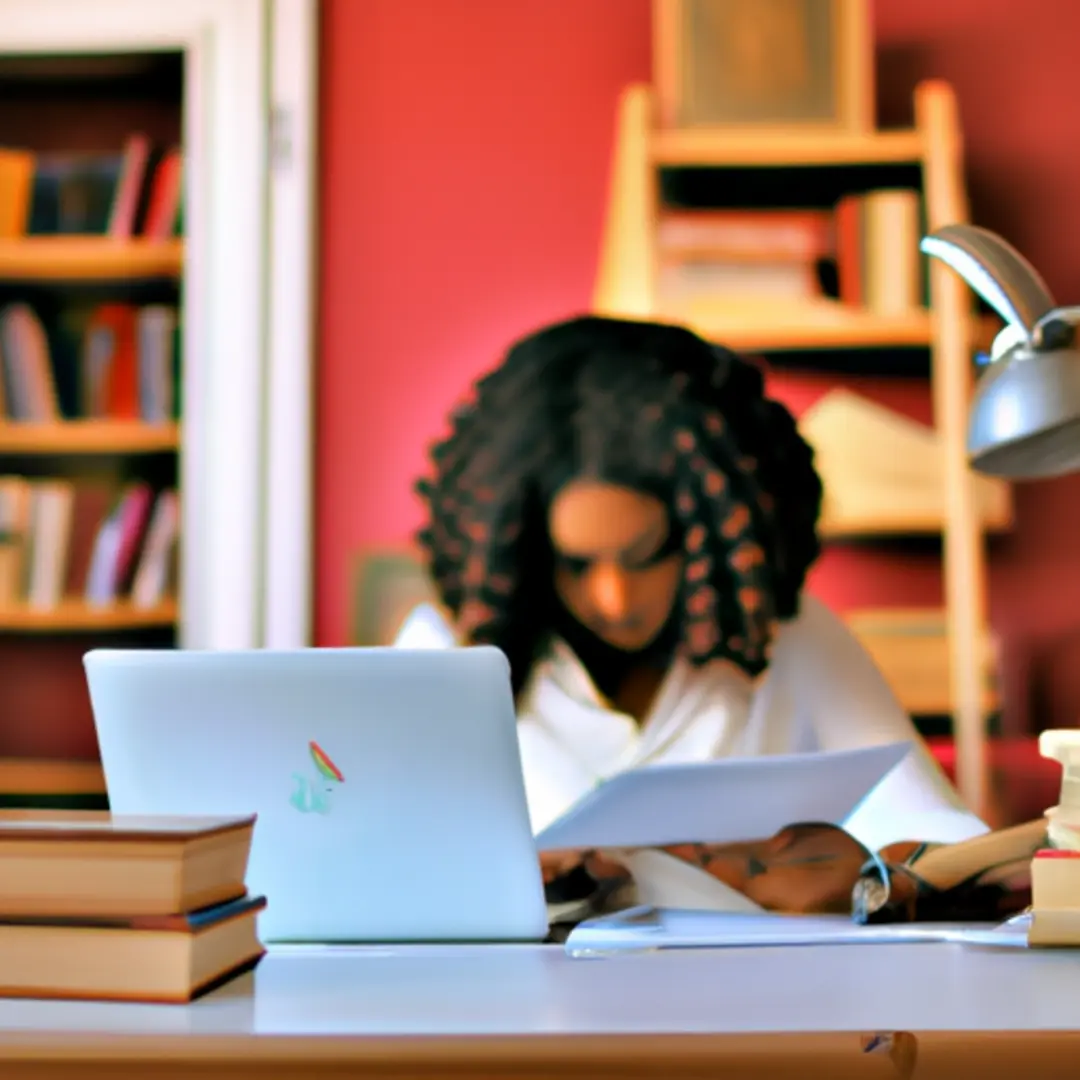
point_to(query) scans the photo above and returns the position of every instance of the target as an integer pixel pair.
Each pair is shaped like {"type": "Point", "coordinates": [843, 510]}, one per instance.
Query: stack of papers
{"type": "Point", "coordinates": [646, 929]}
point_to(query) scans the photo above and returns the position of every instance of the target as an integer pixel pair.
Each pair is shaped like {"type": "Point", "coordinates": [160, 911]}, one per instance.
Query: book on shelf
{"type": "Point", "coordinates": [870, 240]}
{"type": "Point", "coordinates": [119, 907]}
{"type": "Point", "coordinates": [879, 266]}
{"type": "Point", "coordinates": [741, 254]}
{"type": "Point", "coordinates": [136, 191]}
{"type": "Point", "coordinates": [110, 361]}
{"type": "Point", "coordinates": [97, 540]}
{"type": "Point", "coordinates": [882, 470]}
{"type": "Point", "coordinates": [16, 191]}
{"type": "Point", "coordinates": [799, 235]}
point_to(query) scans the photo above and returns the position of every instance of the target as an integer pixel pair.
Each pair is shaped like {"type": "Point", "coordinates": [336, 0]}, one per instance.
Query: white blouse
{"type": "Point", "coordinates": [821, 691]}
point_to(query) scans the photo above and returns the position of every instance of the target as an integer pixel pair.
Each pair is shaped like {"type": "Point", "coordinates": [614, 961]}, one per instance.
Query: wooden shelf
{"type": "Point", "coordinates": [910, 647]}
{"type": "Point", "coordinates": [703, 148]}
{"type": "Point", "coordinates": [89, 259]}
{"type": "Point", "coordinates": [75, 616]}
{"type": "Point", "coordinates": [33, 776]}
{"type": "Point", "coordinates": [899, 527]}
{"type": "Point", "coordinates": [628, 284]}
{"type": "Point", "coordinates": [89, 437]}
{"type": "Point", "coordinates": [814, 326]}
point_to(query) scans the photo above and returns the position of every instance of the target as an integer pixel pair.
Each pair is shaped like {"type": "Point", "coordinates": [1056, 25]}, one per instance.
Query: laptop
{"type": "Point", "coordinates": [387, 782]}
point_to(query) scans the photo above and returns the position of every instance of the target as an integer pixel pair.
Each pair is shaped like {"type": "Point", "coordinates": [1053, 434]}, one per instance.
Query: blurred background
{"type": "Point", "coordinates": [463, 163]}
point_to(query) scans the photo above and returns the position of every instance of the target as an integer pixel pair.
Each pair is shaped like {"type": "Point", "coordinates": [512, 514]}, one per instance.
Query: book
{"type": "Point", "coordinates": [1055, 880]}
{"type": "Point", "coordinates": [1053, 928]}
{"type": "Point", "coordinates": [877, 249]}
{"type": "Point", "coordinates": [1043, 929]}
{"type": "Point", "coordinates": [161, 959]}
{"type": "Point", "coordinates": [96, 864]}
{"type": "Point", "coordinates": [806, 236]}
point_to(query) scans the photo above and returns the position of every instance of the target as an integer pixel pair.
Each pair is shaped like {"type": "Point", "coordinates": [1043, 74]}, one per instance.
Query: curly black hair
{"type": "Point", "coordinates": [649, 406]}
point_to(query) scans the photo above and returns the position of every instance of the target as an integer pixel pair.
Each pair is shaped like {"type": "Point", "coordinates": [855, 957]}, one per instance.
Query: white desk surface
{"type": "Point", "coordinates": [538, 990]}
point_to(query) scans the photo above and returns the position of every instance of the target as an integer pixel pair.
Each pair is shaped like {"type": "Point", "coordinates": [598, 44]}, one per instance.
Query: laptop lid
{"type": "Point", "coordinates": [387, 782]}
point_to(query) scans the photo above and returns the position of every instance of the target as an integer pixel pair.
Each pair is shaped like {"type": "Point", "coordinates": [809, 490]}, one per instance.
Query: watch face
{"type": "Point", "coordinates": [869, 896]}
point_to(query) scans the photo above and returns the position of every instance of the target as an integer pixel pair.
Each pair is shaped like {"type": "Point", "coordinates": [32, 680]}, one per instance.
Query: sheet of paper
{"type": "Point", "coordinates": [663, 881]}
{"type": "Point", "coordinates": [723, 801]}
{"type": "Point", "coordinates": [647, 929]}
{"type": "Point", "coordinates": [1011, 934]}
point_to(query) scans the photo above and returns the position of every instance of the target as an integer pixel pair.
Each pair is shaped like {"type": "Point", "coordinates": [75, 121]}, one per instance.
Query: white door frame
{"type": "Point", "coordinates": [245, 551]}
{"type": "Point", "coordinates": [288, 560]}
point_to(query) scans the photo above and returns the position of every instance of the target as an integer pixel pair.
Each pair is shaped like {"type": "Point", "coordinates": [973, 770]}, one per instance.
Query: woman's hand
{"type": "Point", "coordinates": [556, 864]}
{"type": "Point", "coordinates": [802, 869]}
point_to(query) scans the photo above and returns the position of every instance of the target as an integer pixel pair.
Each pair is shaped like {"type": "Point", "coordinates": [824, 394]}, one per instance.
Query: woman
{"type": "Point", "coordinates": [621, 509]}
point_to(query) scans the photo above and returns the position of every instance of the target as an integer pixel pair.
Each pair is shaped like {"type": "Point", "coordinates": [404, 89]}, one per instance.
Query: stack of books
{"type": "Point", "coordinates": [1055, 870]}
{"type": "Point", "coordinates": [116, 908]}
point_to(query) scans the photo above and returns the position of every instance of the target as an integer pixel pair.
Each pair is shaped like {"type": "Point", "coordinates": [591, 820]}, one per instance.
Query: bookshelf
{"type": "Point", "coordinates": [93, 263]}
{"type": "Point", "coordinates": [217, 79]}
{"type": "Point", "coordinates": [657, 168]}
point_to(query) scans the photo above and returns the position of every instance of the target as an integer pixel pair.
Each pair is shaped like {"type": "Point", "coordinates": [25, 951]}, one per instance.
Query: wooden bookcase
{"type": "Point", "coordinates": [743, 170]}
{"type": "Point", "coordinates": [81, 105]}
{"type": "Point", "coordinates": [234, 83]}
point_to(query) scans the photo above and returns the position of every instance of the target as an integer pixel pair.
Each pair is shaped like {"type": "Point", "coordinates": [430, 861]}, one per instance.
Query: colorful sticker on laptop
{"type": "Point", "coordinates": [312, 794]}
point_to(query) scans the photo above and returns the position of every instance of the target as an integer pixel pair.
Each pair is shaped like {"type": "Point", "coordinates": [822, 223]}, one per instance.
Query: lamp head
{"type": "Point", "coordinates": [1024, 421]}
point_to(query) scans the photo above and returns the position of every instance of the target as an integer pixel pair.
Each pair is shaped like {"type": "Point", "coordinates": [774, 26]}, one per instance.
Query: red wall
{"type": "Point", "coordinates": [465, 148]}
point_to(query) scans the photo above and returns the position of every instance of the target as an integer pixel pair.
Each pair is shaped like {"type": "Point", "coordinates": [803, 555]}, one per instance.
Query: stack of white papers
{"type": "Point", "coordinates": [645, 929]}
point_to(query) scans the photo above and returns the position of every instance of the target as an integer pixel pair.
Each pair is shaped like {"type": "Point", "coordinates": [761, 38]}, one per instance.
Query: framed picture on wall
{"type": "Point", "coordinates": [770, 65]}
{"type": "Point", "coordinates": [387, 584]}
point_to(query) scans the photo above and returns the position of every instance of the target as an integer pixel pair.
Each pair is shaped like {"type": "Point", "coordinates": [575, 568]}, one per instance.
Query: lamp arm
{"type": "Point", "coordinates": [996, 271]}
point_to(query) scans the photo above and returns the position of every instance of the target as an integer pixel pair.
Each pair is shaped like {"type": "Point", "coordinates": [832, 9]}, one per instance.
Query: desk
{"type": "Point", "coordinates": [525, 1011]}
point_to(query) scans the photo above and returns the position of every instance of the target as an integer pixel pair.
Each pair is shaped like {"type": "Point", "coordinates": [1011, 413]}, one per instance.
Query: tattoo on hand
{"type": "Point", "coordinates": [704, 855]}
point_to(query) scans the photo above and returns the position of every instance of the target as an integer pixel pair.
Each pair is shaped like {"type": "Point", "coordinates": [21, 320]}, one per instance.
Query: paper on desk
{"type": "Point", "coordinates": [722, 801]}
{"type": "Point", "coordinates": [644, 929]}
{"type": "Point", "coordinates": [1011, 934]}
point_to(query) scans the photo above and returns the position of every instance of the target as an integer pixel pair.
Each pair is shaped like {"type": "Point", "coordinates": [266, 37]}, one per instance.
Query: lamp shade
{"type": "Point", "coordinates": [1024, 421]}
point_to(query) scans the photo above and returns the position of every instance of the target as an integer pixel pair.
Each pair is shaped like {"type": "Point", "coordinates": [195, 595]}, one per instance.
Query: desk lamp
{"type": "Point", "coordinates": [1024, 421]}
{"type": "Point", "coordinates": [1025, 415]}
